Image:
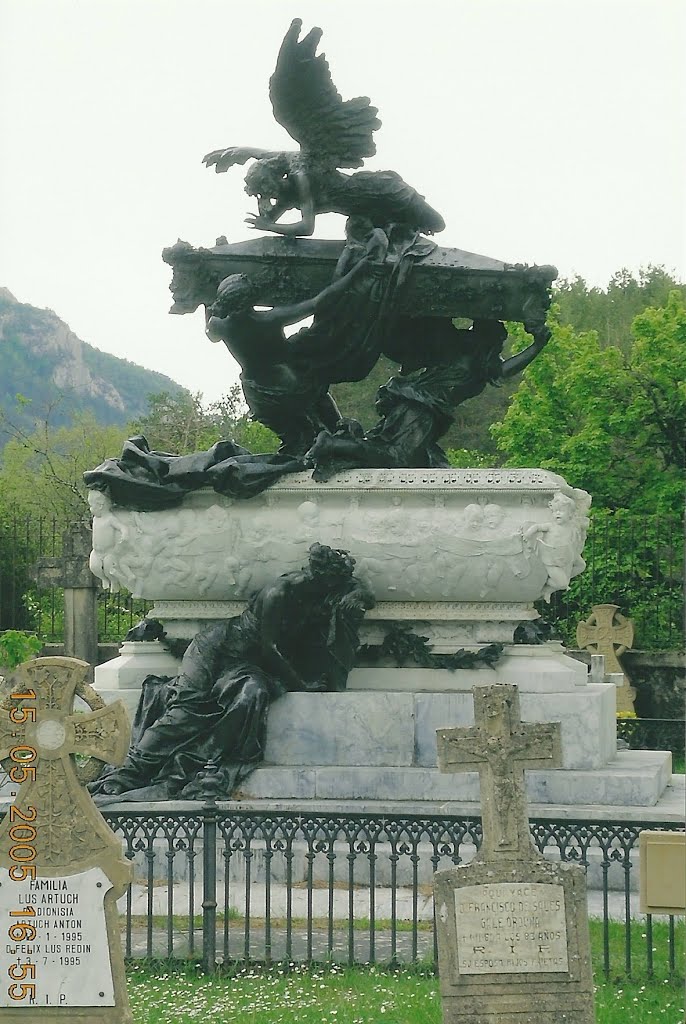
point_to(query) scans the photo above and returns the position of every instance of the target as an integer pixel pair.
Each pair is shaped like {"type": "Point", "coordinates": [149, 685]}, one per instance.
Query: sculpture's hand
{"type": "Point", "coordinates": [259, 223]}
{"type": "Point", "coordinates": [377, 246]}
{"type": "Point", "coordinates": [539, 331]}
{"type": "Point", "coordinates": [358, 600]}
{"type": "Point", "coordinates": [317, 686]}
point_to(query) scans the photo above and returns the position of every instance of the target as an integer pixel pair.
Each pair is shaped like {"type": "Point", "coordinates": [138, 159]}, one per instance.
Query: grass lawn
{"type": "Point", "coordinates": [161, 993]}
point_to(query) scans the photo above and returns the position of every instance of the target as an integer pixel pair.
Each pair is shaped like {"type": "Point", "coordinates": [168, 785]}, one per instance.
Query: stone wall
{"type": "Point", "coordinates": [659, 678]}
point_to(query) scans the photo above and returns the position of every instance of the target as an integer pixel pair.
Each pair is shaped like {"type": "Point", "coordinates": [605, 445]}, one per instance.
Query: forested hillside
{"type": "Point", "coordinates": [43, 361]}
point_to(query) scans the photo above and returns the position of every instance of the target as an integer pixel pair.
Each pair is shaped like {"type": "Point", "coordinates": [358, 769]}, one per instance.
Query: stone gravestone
{"type": "Point", "coordinates": [606, 631]}
{"type": "Point", "coordinates": [61, 868]}
{"type": "Point", "coordinates": [513, 943]}
{"type": "Point", "coordinates": [71, 571]}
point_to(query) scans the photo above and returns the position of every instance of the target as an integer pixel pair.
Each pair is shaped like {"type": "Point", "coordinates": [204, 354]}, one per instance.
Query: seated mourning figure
{"type": "Point", "coordinates": [298, 633]}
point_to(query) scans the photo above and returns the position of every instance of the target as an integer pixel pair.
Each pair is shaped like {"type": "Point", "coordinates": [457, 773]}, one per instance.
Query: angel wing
{"type": "Point", "coordinates": [222, 159]}
{"type": "Point", "coordinates": [305, 101]}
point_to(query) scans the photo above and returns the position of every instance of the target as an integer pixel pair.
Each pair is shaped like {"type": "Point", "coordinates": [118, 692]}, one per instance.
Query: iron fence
{"type": "Point", "coordinates": [25, 605]}
{"type": "Point", "coordinates": [239, 886]}
{"type": "Point", "coordinates": [635, 562]}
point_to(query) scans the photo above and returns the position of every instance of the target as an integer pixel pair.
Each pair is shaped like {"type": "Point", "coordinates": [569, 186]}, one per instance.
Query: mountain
{"type": "Point", "coordinates": [41, 359]}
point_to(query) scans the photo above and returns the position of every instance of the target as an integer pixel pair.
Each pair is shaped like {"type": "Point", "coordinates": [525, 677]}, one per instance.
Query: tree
{"type": "Point", "coordinates": [42, 472]}
{"type": "Point", "coordinates": [610, 422]}
{"type": "Point", "coordinates": [181, 424]}
{"type": "Point", "coordinates": [178, 424]}
{"type": "Point", "coordinates": [611, 311]}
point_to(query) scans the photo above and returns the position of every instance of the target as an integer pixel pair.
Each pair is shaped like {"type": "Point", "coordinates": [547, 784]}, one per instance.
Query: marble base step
{"type": "Point", "coordinates": [636, 778]}
{"type": "Point", "coordinates": [391, 729]}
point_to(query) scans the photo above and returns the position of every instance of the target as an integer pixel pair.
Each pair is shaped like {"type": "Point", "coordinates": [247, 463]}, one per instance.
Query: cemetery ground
{"type": "Point", "coordinates": [177, 992]}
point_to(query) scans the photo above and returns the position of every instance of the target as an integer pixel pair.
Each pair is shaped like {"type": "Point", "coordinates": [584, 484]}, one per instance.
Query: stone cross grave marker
{"type": "Point", "coordinates": [606, 631]}
{"type": "Point", "coordinates": [71, 571]}
{"type": "Point", "coordinates": [61, 868]}
{"type": "Point", "coordinates": [513, 944]}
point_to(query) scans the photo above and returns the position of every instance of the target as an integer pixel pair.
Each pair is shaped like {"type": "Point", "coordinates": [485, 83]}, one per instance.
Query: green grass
{"type": "Point", "coordinates": [178, 993]}
{"type": "Point", "coordinates": [160, 994]}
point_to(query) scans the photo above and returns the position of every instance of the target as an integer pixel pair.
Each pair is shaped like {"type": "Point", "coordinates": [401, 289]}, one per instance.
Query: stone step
{"type": "Point", "coordinates": [635, 778]}
{"type": "Point", "coordinates": [395, 730]}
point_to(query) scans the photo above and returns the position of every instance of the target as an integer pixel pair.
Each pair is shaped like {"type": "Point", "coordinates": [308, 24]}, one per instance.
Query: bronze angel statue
{"type": "Point", "coordinates": [332, 133]}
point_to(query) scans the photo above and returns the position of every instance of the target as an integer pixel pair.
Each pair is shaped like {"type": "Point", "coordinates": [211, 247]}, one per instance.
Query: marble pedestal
{"type": "Point", "coordinates": [377, 740]}
{"type": "Point", "coordinates": [458, 556]}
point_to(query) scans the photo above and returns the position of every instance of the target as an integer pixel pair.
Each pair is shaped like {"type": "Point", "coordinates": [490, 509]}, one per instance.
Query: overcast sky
{"type": "Point", "coordinates": [544, 131]}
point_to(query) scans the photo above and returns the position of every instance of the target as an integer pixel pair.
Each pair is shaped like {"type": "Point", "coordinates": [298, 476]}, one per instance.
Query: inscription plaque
{"type": "Point", "coordinates": [70, 950]}
{"type": "Point", "coordinates": [511, 928]}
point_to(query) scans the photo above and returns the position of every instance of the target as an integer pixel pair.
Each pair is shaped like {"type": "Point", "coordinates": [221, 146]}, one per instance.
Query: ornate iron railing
{"type": "Point", "coordinates": [243, 886]}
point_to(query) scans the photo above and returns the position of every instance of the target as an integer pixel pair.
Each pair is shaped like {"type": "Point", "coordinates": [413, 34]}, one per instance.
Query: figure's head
{"type": "Point", "coordinates": [266, 179]}
{"type": "Point", "coordinates": [562, 508]}
{"type": "Point", "coordinates": [331, 562]}
{"type": "Point", "coordinates": [358, 228]}
{"type": "Point", "coordinates": [493, 516]}
{"type": "Point", "coordinates": [234, 295]}
{"type": "Point", "coordinates": [99, 503]}
{"type": "Point", "coordinates": [473, 516]}
{"type": "Point", "coordinates": [308, 512]}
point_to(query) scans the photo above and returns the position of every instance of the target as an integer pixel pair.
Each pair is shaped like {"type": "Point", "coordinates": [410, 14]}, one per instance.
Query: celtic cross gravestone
{"type": "Point", "coordinates": [512, 929]}
{"type": "Point", "coordinates": [606, 631]}
{"type": "Point", "coordinates": [61, 868]}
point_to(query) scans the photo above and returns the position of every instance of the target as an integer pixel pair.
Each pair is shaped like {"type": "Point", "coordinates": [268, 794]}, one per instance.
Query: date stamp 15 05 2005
{"type": "Point", "coordinates": [22, 852]}
{"type": "Point", "coordinates": [61, 868]}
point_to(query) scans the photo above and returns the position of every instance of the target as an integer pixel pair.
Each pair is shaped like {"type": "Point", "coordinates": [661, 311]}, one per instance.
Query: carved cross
{"type": "Point", "coordinates": [71, 571]}
{"type": "Point", "coordinates": [54, 836]}
{"type": "Point", "coordinates": [500, 747]}
{"type": "Point", "coordinates": [606, 631]}
{"type": "Point", "coordinates": [39, 734]}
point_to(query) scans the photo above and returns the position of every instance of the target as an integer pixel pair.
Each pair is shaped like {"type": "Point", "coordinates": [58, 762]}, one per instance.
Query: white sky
{"type": "Point", "coordinates": [544, 131]}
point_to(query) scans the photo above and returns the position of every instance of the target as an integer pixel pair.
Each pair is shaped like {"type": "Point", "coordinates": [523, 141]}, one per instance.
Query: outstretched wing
{"type": "Point", "coordinates": [222, 159]}
{"type": "Point", "coordinates": [307, 104]}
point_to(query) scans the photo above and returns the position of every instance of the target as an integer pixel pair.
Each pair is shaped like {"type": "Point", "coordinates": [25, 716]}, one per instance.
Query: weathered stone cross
{"type": "Point", "coordinates": [58, 854]}
{"type": "Point", "coordinates": [71, 572]}
{"type": "Point", "coordinates": [606, 631]}
{"type": "Point", "coordinates": [38, 734]}
{"type": "Point", "coordinates": [500, 746]}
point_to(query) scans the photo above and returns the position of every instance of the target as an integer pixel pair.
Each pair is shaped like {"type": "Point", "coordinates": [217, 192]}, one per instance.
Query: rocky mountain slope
{"type": "Point", "coordinates": [42, 360]}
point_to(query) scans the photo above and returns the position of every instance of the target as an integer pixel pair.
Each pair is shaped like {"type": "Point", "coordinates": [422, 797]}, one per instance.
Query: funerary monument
{"type": "Point", "coordinates": [450, 560]}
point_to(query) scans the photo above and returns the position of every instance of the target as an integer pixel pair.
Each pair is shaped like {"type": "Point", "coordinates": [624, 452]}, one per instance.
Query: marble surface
{"type": "Point", "coordinates": [635, 779]}
{"type": "Point", "coordinates": [417, 535]}
{"type": "Point", "coordinates": [394, 729]}
{"type": "Point", "coordinates": [341, 729]}
{"type": "Point", "coordinates": [69, 951]}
